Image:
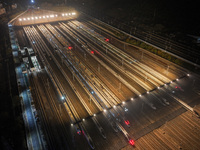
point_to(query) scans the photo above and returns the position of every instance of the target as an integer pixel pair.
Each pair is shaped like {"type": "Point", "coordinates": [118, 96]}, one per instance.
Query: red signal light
{"type": "Point", "coordinates": [92, 52]}
{"type": "Point", "coordinates": [69, 47]}
{"type": "Point", "coordinates": [79, 132]}
{"type": "Point", "coordinates": [127, 122]}
{"type": "Point", "coordinates": [131, 142]}
{"type": "Point", "coordinates": [107, 40]}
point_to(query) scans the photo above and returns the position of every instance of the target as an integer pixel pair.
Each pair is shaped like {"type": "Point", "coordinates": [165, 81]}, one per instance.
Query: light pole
{"type": "Point", "coordinates": [73, 76]}
{"type": "Point", "coordinates": [48, 83]}
{"type": "Point", "coordinates": [142, 55]}
{"type": "Point", "coordinates": [98, 67]}
{"type": "Point", "coordinates": [85, 56]}
{"type": "Point", "coordinates": [90, 99]}
{"type": "Point", "coordinates": [135, 30]}
{"type": "Point", "coordinates": [167, 69]}
{"type": "Point", "coordinates": [120, 86]}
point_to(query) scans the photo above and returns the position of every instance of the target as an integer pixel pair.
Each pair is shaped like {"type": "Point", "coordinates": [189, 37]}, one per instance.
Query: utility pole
{"type": "Point", "coordinates": [120, 85]}
{"type": "Point", "coordinates": [60, 109]}
{"type": "Point", "coordinates": [142, 107]}
{"type": "Point", "coordinates": [90, 99]}
{"type": "Point", "coordinates": [85, 56]}
{"type": "Point", "coordinates": [142, 55]}
{"type": "Point", "coordinates": [73, 76]}
{"type": "Point", "coordinates": [62, 61]}
{"type": "Point", "coordinates": [98, 67]}
{"type": "Point", "coordinates": [145, 78]}
{"type": "Point", "coordinates": [167, 70]}
{"type": "Point", "coordinates": [48, 83]}
{"type": "Point", "coordinates": [131, 30]}
{"type": "Point", "coordinates": [135, 30]}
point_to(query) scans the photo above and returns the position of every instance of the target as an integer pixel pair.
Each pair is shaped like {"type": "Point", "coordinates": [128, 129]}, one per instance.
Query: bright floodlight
{"type": "Point", "coordinates": [69, 14]}
{"type": "Point", "coordinates": [20, 19]}
{"type": "Point", "coordinates": [147, 92]}
{"type": "Point", "coordinates": [83, 119]}
{"type": "Point", "coordinates": [132, 99]}
{"type": "Point", "coordinates": [63, 14]}
{"type": "Point", "coordinates": [24, 18]}
{"type": "Point", "coordinates": [158, 87]}
{"type": "Point", "coordinates": [56, 15]}
{"type": "Point", "coordinates": [114, 106]}
{"type": "Point", "coordinates": [40, 17]}
{"type": "Point", "coordinates": [73, 13]}
{"type": "Point", "coordinates": [36, 17]}
{"type": "Point", "coordinates": [140, 95]}
{"type": "Point", "coordinates": [66, 14]}
{"type": "Point", "coordinates": [44, 17]}
{"type": "Point", "coordinates": [71, 124]}
{"type": "Point", "coordinates": [171, 82]}
{"type": "Point", "coordinates": [94, 114]}
{"type": "Point", "coordinates": [188, 75]}
{"type": "Point", "coordinates": [177, 79]}
{"type": "Point", "coordinates": [104, 110]}
{"type": "Point", "coordinates": [123, 102]}
{"type": "Point", "coordinates": [28, 18]}
{"type": "Point", "coordinates": [63, 97]}
{"type": "Point", "coordinates": [165, 84]}
{"type": "Point", "coordinates": [32, 1]}
{"type": "Point", "coordinates": [32, 18]}
{"type": "Point", "coordinates": [47, 16]}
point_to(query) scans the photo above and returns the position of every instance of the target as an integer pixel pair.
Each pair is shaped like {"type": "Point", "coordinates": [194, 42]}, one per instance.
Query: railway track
{"type": "Point", "coordinates": [167, 45]}
{"type": "Point", "coordinates": [126, 57]}
{"type": "Point", "coordinates": [136, 63]}
{"type": "Point", "coordinates": [180, 132]}
{"type": "Point", "coordinates": [53, 107]}
{"type": "Point", "coordinates": [111, 70]}
{"type": "Point", "coordinates": [84, 90]}
{"type": "Point", "coordinates": [59, 36]}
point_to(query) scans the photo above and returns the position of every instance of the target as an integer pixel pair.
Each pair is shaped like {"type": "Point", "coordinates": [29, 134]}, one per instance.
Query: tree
{"type": "Point", "coordinates": [169, 57]}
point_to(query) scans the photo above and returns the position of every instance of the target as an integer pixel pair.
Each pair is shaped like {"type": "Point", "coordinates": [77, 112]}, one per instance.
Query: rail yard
{"type": "Point", "coordinates": [91, 91]}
